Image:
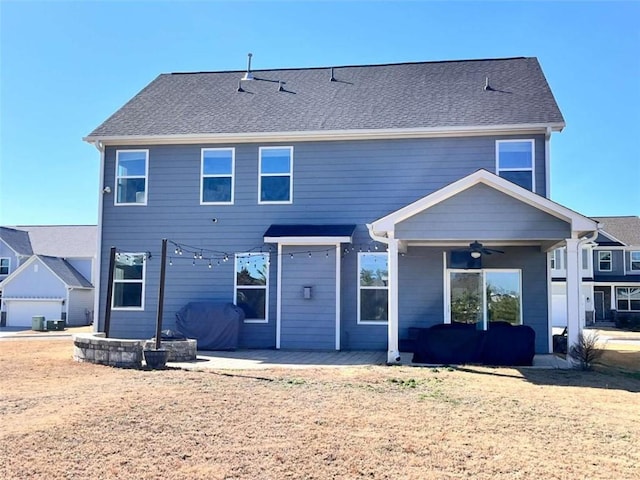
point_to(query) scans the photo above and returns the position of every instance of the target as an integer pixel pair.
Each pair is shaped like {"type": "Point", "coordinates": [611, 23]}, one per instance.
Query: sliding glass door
{"type": "Point", "coordinates": [482, 296]}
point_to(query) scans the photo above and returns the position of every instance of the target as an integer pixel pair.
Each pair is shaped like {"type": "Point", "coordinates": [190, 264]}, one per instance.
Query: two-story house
{"type": "Point", "coordinates": [610, 272]}
{"type": "Point", "coordinates": [47, 270]}
{"type": "Point", "coordinates": [338, 206]}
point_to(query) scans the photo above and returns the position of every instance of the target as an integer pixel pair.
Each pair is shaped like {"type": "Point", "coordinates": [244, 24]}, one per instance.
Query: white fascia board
{"type": "Point", "coordinates": [604, 232]}
{"type": "Point", "coordinates": [307, 240]}
{"type": "Point", "coordinates": [325, 135]}
{"type": "Point", "coordinates": [33, 299]}
{"type": "Point", "coordinates": [579, 223]}
{"type": "Point", "coordinates": [17, 271]}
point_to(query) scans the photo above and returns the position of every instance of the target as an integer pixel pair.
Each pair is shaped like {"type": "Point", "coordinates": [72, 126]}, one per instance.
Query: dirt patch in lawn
{"type": "Point", "coordinates": [60, 419]}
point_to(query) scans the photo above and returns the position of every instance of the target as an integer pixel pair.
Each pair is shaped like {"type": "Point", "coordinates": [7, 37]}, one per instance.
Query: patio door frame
{"type": "Point", "coordinates": [482, 272]}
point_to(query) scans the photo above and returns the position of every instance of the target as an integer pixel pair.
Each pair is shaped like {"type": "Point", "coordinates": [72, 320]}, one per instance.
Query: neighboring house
{"type": "Point", "coordinates": [51, 270]}
{"type": "Point", "coordinates": [338, 206]}
{"type": "Point", "coordinates": [610, 273]}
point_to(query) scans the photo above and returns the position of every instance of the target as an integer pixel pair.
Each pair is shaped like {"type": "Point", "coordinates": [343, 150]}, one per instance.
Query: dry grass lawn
{"type": "Point", "coordinates": [60, 419]}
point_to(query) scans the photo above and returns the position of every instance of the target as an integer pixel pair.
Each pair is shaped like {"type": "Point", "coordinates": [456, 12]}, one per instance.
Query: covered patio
{"type": "Point", "coordinates": [444, 229]}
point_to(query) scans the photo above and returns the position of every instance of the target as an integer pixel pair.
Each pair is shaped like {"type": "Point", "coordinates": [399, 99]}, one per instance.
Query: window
{"type": "Point", "coordinates": [480, 297]}
{"type": "Point", "coordinates": [251, 287]}
{"type": "Point", "coordinates": [128, 281]}
{"type": "Point", "coordinates": [557, 257]}
{"type": "Point", "coordinates": [131, 177]}
{"type": "Point", "coordinates": [628, 298]}
{"type": "Point", "coordinates": [276, 175]}
{"type": "Point", "coordinates": [373, 295]}
{"type": "Point", "coordinates": [515, 162]}
{"type": "Point", "coordinates": [604, 261]}
{"type": "Point", "coordinates": [216, 184]}
{"type": "Point", "coordinates": [635, 261]}
{"type": "Point", "coordinates": [5, 263]}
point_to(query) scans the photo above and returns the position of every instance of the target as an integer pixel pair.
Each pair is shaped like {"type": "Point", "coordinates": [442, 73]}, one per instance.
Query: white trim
{"type": "Point", "coordinates": [533, 159]}
{"type": "Point", "coordinates": [8, 265]}
{"type": "Point", "coordinates": [143, 280]}
{"type": "Point", "coordinates": [550, 302]}
{"type": "Point", "coordinates": [329, 135]}
{"type": "Point", "coordinates": [338, 295]}
{"type": "Point", "coordinates": [253, 287]}
{"type": "Point", "coordinates": [631, 260]}
{"type": "Point", "coordinates": [260, 175]}
{"type": "Point", "coordinates": [26, 265]}
{"type": "Point", "coordinates": [360, 288]}
{"type": "Point", "coordinates": [145, 176]}
{"type": "Point", "coordinates": [33, 299]}
{"type": "Point", "coordinates": [307, 240]}
{"type": "Point", "coordinates": [393, 352]}
{"type": "Point", "coordinates": [97, 279]}
{"type": "Point", "coordinates": [547, 166]}
{"type": "Point", "coordinates": [279, 297]}
{"type": "Point", "coordinates": [579, 223]}
{"type": "Point", "coordinates": [615, 291]}
{"type": "Point", "coordinates": [218, 175]}
{"type": "Point", "coordinates": [445, 288]}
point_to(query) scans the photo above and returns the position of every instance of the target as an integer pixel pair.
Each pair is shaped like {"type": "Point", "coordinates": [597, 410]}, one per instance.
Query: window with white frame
{"type": "Point", "coordinates": [251, 290]}
{"type": "Point", "coordinates": [5, 265]}
{"type": "Point", "coordinates": [628, 299]}
{"type": "Point", "coordinates": [604, 260]}
{"type": "Point", "coordinates": [515, 162]}
{"type": "Point", "coordinates": [128, 281]}
{"type": "Point", "coordinates": [216, 176]}
{"type": "Point", "coordinates": [131, 177]}
{"type": "Point", "coordinates": [557, 257]}
{"type": "Point", "coordinates": [634, 258]}
{"type": "Point", "coordinates": [373, 288]}
{"type": "Point", "coordinates": [276, 175]}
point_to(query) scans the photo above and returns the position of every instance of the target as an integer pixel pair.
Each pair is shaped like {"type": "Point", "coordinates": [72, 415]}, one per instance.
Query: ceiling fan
{"type": "Point", "coordinates": [477, 250]}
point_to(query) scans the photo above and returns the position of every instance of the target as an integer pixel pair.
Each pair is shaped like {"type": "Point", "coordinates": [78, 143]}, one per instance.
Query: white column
{"type": "Point", "coordinates": [393, 353]}
{"type": "Point", "coordinates": [573, 291]}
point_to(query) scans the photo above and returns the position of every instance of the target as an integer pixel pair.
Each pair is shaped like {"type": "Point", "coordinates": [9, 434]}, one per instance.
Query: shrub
{"type": "Point", "coordinates": [585, 351]}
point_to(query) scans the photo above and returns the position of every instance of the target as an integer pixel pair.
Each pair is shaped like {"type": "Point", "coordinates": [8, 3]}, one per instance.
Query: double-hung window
{"type": "Point", "coordinates": [252, 286]}
{"type": "Point", "coordinates": [276, 175]}
{"type": "Point", "coordinates": [373, 288]}
{"type": "Point", "coordinates": [131, 177]}
{"type": "Point", "coordinates": [216, 179]}
{"type": "Point", "coordinates": [628, 299]}
{"type": "Point", "coordinates": [634, 258]}
{"type": "Point", "coordinates": [515, 162]}
{"type": "Point", "coordinates": [5, 264]}
{"type": "Point", "coordinates": [128, 281]}
{"type": "Point", "coordinates": [604, 260]}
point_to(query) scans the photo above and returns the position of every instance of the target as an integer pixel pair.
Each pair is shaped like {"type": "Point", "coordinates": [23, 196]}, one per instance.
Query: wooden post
{"type": "Point", "coordinates": [107, 308]}
{"type": "Point", "coordinates": [163, 262]}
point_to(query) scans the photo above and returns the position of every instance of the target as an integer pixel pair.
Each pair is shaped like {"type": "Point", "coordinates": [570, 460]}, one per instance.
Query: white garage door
{"type": "Point", "coordinates": [19, 312]}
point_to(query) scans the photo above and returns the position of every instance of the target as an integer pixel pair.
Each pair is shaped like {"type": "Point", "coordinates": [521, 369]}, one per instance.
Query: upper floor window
{"type": "Point", "coordinates": [276, 175]}
{"type": "Point", "coordinates": [5, 264]}
{"type": "Point", "coordinates": [604, 261]}
{"type": "Point", "coordinates": [216, 179]}
{"type": "Point", "coordinates": [128, 281]}
{"type": "Point", "coordinates": [131, 177]}
{"type": "Point", "coordinates": [515, 162]}
{"type": "Point", "coordinates": [251, 286]}
{"type": "Point", "coordinates": [373, 288]}
{"type": "Point", "coordinates": [635, 261]}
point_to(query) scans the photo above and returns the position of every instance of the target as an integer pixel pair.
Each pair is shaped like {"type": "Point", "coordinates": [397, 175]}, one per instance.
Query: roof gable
{"type": "Point", "coordinates": [579, 223]}
{"type": "Point", "coordinates": [625, 230]}
{"type": "Point", "coordinates": [427, 95]}
{"type": "Point", "coordinates": [59, 267]}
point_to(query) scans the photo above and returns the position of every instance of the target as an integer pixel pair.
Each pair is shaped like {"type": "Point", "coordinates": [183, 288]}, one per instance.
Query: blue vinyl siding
{"type": "Point", "coordinates": [617, 263]}
{"type": "Point", "coordinates": [352, 182]}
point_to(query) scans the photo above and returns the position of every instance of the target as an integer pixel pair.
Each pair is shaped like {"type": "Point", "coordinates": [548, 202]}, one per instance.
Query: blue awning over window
{"type": "Point", "coordinates": [309, 233]}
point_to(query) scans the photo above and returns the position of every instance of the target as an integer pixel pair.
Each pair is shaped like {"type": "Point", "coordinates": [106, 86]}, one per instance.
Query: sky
{"type": "Point", "coordinates": [67, 66]}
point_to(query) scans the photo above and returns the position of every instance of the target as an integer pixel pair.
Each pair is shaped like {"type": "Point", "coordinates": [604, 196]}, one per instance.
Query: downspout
{"type": "Point", "coordinates": [547, 163]}
{"type": "Point", "coordinates": [96, 273]}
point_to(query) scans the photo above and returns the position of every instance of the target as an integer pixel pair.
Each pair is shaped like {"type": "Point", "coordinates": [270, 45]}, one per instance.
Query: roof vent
{"type": "Point", "coordinates": [280, 87]}
{"type": "Point", "coordinates": [486, 85]}
{"type": "Point", "coordinates": [332, 79]}
{"type": "Point", "coordinates": [248, 75]}
{"type": "Point", "coordinates": [240, 89]}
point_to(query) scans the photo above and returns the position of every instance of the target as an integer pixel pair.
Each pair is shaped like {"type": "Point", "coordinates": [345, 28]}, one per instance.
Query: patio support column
{"type": "Point", "coordinates": [573, 291]}
{"type": "Point", "coordinates": [393, 352]}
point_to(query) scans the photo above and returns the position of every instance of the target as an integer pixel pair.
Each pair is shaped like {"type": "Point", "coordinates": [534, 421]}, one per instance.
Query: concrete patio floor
{"type": "Point", "coordinates": [296, 359]}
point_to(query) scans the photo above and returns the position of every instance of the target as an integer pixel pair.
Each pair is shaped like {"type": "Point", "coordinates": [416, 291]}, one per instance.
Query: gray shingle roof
{"type": "Point", "coordinates": [395, 96]}
{"type": "Point", "coordinates": [625, 229]}
{"type": "Point", "coordinates": [65, 271]}
{"type": "Point", "coordinates": [17, 240]}
{"type": "Point", "coordinates": [66, 241]}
